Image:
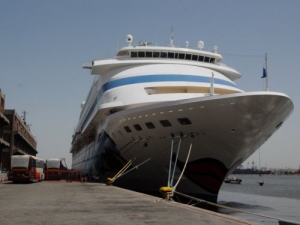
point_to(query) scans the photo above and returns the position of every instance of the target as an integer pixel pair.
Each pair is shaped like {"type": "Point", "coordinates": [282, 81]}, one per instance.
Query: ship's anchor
{"type": "Point", "coordinates": [126, 166]}
{"type": "Point", "coordinates": [168, 191]}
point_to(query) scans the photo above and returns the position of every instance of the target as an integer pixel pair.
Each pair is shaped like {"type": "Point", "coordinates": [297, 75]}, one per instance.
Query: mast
{"type": "Point", "coordinates": [266, 71]}
{"type": "Point", "coordinates": [172, 37]}
{"type": "Point", "coordinates": [24, 116]}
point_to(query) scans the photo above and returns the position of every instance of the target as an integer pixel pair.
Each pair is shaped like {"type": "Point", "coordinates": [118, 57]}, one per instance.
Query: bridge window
{"type": "Point", "coordinates": [133, 54]}
{"type": "Point", "coordinates": [163, 54]}
{"type": "Point", "coordinates": [201, 58]}
{"type": "Point", "coordinates": [141, 54]}
{"type": "Point", "coordinates": [195, 57]}
{"type": "Point", "coordinates": [149, 54]}
{"type": "Point", "coordinates": [122, 53]}
{"type": "Point", "coordinates": [206, 59]}
{"type": "Point", "coordinates": [156, 54]}
{"type": "Point", "coordinates": [181, 56]}
{"type": "Point", "coordinates": [171, 55]}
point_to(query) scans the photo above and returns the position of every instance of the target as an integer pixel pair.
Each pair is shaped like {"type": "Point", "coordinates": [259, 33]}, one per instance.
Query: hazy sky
{"type": "Point", "coordinates": [43, 45]}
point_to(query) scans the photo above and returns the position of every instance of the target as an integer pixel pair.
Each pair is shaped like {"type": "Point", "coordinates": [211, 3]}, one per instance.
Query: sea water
{"type": "Point", "coordinates": [278, 198]}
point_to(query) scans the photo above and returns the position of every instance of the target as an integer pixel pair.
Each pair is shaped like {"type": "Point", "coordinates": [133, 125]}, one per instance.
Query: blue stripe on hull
{"type": "Point", "coordinates": [162, 78]}
{"type": "Point", "coordinates": [151, 79]}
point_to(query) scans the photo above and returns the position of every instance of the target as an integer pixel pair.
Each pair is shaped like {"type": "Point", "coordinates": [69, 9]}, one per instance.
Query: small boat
{"type": "Point", "coordinates": [233, 180]}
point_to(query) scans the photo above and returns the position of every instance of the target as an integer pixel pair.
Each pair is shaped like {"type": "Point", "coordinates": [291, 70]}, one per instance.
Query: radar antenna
{"type": "Point", "coordinates": [129, 39]}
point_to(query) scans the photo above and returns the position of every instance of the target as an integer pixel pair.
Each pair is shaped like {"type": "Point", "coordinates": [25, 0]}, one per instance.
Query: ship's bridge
{"type": "Point", "coordinates": [169, 53]}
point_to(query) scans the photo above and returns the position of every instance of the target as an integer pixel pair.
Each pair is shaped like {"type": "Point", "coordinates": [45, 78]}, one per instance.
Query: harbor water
{"type": "Point", "coordinates": [279, 197]}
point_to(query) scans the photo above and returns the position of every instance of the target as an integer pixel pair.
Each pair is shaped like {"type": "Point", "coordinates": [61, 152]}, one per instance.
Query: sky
{"type": "Point", "coordinates": [43, 45]}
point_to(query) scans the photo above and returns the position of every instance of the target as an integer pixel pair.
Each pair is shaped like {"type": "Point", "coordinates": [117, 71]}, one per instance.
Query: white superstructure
{"type": "Point", "coordinates": [149, 102]}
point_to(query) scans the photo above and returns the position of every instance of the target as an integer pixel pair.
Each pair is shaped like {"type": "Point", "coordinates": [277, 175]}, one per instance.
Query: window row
{"type": "Point", "coordinates": [170, 55]}
{"type": "Point", "coordinates": [164, 123]}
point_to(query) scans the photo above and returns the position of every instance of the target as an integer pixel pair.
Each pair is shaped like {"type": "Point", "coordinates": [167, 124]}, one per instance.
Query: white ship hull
{"type": "Point", "coordinates": [149, 107]}
{"type": "Point", "coordinates": [227, 129]}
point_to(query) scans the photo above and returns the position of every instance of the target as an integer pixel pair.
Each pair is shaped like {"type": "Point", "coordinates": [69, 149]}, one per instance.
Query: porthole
{"type": "Point", "coordinates": [127, 129]}
{"type": "Point", "coordinates": [150, 125]}
{"type": "Point", "coordinates": [165, 123]}
{"type": "Point", "coordinates": [137, 127]}
{"type": "Point", "coordinates": [184, 121]}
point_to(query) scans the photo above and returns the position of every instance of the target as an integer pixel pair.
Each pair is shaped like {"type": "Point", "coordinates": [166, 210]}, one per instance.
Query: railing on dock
{"type": "Point", "coordinates": [67, 175]}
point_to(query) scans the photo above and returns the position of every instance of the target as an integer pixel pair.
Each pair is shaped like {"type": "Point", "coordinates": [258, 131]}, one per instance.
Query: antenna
{"type": "Point", "coordinates": [187, 44]}
{"type": "Point", "coordinates": [200, 45]}
{"type": "Point", "coordinates": [24, 116]}
{"type": "Point", "coordinates": [172, 37]}
{"type": "Point", "coordinates": [215, 49]}
{"type": "Point", "coordinates": [267, 75]}
{"type": "Point", "coordinates": [129, 39]}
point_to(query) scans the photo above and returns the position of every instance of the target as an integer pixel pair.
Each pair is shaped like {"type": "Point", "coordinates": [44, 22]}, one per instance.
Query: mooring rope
{"type": "Point", "coordinates": [136, 167]}
{"type": "Point", "coordinates": [169, 190]}
{"type": "Point", "coordinates": [126, 166]}
{"type": "Point", "coordinates": [187, 159]}
{"type": "Point", "coordinates": [175, 163]}
{"type": "Point", "coordinates": [170, 164]}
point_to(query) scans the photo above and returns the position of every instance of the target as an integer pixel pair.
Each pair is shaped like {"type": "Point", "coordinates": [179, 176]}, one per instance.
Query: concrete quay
{"type": "Point", "coordinates": [94, 203]}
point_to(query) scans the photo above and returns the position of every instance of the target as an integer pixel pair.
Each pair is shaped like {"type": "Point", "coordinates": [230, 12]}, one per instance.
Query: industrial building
{"type": "Point", "coordinates": [15, 135]}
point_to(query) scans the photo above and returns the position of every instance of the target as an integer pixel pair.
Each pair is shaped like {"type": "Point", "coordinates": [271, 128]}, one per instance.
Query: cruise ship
{"type": "Point", "coordinates": [170, 117]}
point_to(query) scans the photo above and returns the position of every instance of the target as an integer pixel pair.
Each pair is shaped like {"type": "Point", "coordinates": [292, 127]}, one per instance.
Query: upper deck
{"type": "Point", "coordinates": [144, 53]}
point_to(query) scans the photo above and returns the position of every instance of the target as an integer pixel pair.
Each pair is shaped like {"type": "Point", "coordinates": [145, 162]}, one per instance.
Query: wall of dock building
{"type": "Point", "coordinates": [15, 136]}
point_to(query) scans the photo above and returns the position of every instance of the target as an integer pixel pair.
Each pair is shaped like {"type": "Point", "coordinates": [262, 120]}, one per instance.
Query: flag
{"type": "Point", "coordinates": [264, 73]}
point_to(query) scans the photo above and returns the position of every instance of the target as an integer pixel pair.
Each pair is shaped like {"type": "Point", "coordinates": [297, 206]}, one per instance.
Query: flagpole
{"type": "Point", "coordinates": [267, 75]}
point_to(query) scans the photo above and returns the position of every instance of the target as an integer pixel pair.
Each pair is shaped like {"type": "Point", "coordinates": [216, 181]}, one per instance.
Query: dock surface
{"type": "Point", "coordinates": [95, 203]}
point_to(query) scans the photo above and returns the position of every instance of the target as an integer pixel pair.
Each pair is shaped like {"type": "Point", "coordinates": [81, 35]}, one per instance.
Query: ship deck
{"type": "Point", "coordinates": [60, 202]}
